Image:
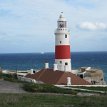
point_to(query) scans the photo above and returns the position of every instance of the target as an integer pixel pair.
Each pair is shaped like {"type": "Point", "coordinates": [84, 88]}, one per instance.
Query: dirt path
{"type": "Point", "coordinates": [10, 87]}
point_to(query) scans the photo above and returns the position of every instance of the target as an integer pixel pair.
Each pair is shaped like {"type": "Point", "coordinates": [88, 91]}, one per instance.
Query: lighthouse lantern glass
{"type": "Point", "coordinates": [62, 24]}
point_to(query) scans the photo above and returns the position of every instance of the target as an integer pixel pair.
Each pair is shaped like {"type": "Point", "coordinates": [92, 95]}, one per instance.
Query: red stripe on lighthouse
{"type": "Point", "coordinates": [62, 52]}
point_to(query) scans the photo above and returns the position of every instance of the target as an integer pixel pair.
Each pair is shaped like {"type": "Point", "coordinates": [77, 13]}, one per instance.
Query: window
{"type": "Point", "coordinates": [66, 63]}
{"type": "Point", "coordinates": [65, 35]}
{"type": "Point", "coordinates": [60, 61]}
{"type": "Point", "coordinates": [33, 71]}
{"type": "Point", "coordinates": [93, 82]}
{"type": "Point", "coordinates": [81, 76]}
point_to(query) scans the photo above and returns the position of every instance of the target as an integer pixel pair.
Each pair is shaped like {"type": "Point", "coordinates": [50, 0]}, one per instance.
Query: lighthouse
{"type": "Point", "coordinates": [62, 45]}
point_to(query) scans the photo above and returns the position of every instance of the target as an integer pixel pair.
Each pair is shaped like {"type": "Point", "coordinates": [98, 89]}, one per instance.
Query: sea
{"type": "Point", "coordinates": [25, 61]}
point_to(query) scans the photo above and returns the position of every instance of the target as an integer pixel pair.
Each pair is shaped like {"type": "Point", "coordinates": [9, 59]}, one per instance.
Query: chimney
{"type": "Point", "coordinates": [31, 71]}
{"type": "Point", "coordinates": [68, 81]}
{"type": "Point", "coordinates": [46, 65]}
{"type": "Point", "coordinates": [66, 68]}
{"type": "Point", "coordinates": [55, 67]}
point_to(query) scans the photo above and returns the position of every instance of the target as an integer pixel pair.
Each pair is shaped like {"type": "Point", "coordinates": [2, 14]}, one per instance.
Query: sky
{"type": "Point", "coordinates": [29, 25]}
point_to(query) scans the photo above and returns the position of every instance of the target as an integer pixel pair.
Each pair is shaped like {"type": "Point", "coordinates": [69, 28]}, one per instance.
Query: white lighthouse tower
{"type": "Point", "coordinates": [62, 45]}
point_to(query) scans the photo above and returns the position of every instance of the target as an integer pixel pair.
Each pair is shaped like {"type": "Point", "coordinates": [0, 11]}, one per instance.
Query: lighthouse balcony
{"type": "Point", "coordinates": [61, 30]}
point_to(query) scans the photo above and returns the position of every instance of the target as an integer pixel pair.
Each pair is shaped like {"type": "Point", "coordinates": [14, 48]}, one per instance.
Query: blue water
{"type": "Point", "coordinates": [37, 60]}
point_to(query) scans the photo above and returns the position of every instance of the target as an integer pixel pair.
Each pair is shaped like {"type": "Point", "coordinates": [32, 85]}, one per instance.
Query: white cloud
{"type": "Point", "coordinates": [93, 26]}
{"type": "Point", "coordinates": [33, 22]}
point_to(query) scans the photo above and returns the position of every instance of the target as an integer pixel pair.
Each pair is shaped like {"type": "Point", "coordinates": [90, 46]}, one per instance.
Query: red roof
{"type": "Point", "coordinates": [57, 77]}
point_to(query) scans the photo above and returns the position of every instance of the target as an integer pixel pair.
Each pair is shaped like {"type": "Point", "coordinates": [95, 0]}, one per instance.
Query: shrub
{"type": "Point", "coordinates": [0, 75]}
{"type": "Point", "coordinates": [10, 77]}
{"type": "Point", "coordinates": [47, 88]}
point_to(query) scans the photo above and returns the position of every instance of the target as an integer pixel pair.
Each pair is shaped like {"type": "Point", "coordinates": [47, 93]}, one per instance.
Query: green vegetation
{"type": "Point", "coordinates": [45, 95]}
{"type": "Point", "coordinates": [0, 75]}
{"type": "Point", "coordinates": [46, 88]}
{"type": "Point", "coordinates": [92, 88]}
{"type": "Point", "coordinates": [10, 77]}
{"type": "Point", "coordinates": [49, 100]}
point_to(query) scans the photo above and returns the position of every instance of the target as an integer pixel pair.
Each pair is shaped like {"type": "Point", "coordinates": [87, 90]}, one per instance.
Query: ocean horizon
{"type": "Point", "coordinates": [25, 61]}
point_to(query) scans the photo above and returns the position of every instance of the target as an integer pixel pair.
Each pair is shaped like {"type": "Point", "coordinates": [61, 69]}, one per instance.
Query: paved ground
{"type": "Point", "coordinates": [10, 87]}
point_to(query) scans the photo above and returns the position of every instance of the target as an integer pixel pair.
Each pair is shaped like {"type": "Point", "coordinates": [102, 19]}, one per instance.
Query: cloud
{"type": "Point", "coordinates": [88, 4]}
{"type": "Point", "coordinates": [93, 26]}
{"type": "Point", "coordinates": [32, 22]}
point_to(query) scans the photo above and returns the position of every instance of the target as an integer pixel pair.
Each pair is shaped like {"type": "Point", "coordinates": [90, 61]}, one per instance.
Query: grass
{"type": "Point", "coordinates": [92, 88]}
{"type": "Point", "coordinates": [10, 77]}
{"type": "Point", "coordinates": [40, 100]}
{"type": "Point", "coordinates": [49, 99]}
{"type": "Point", "coordinates": [46, 88]}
